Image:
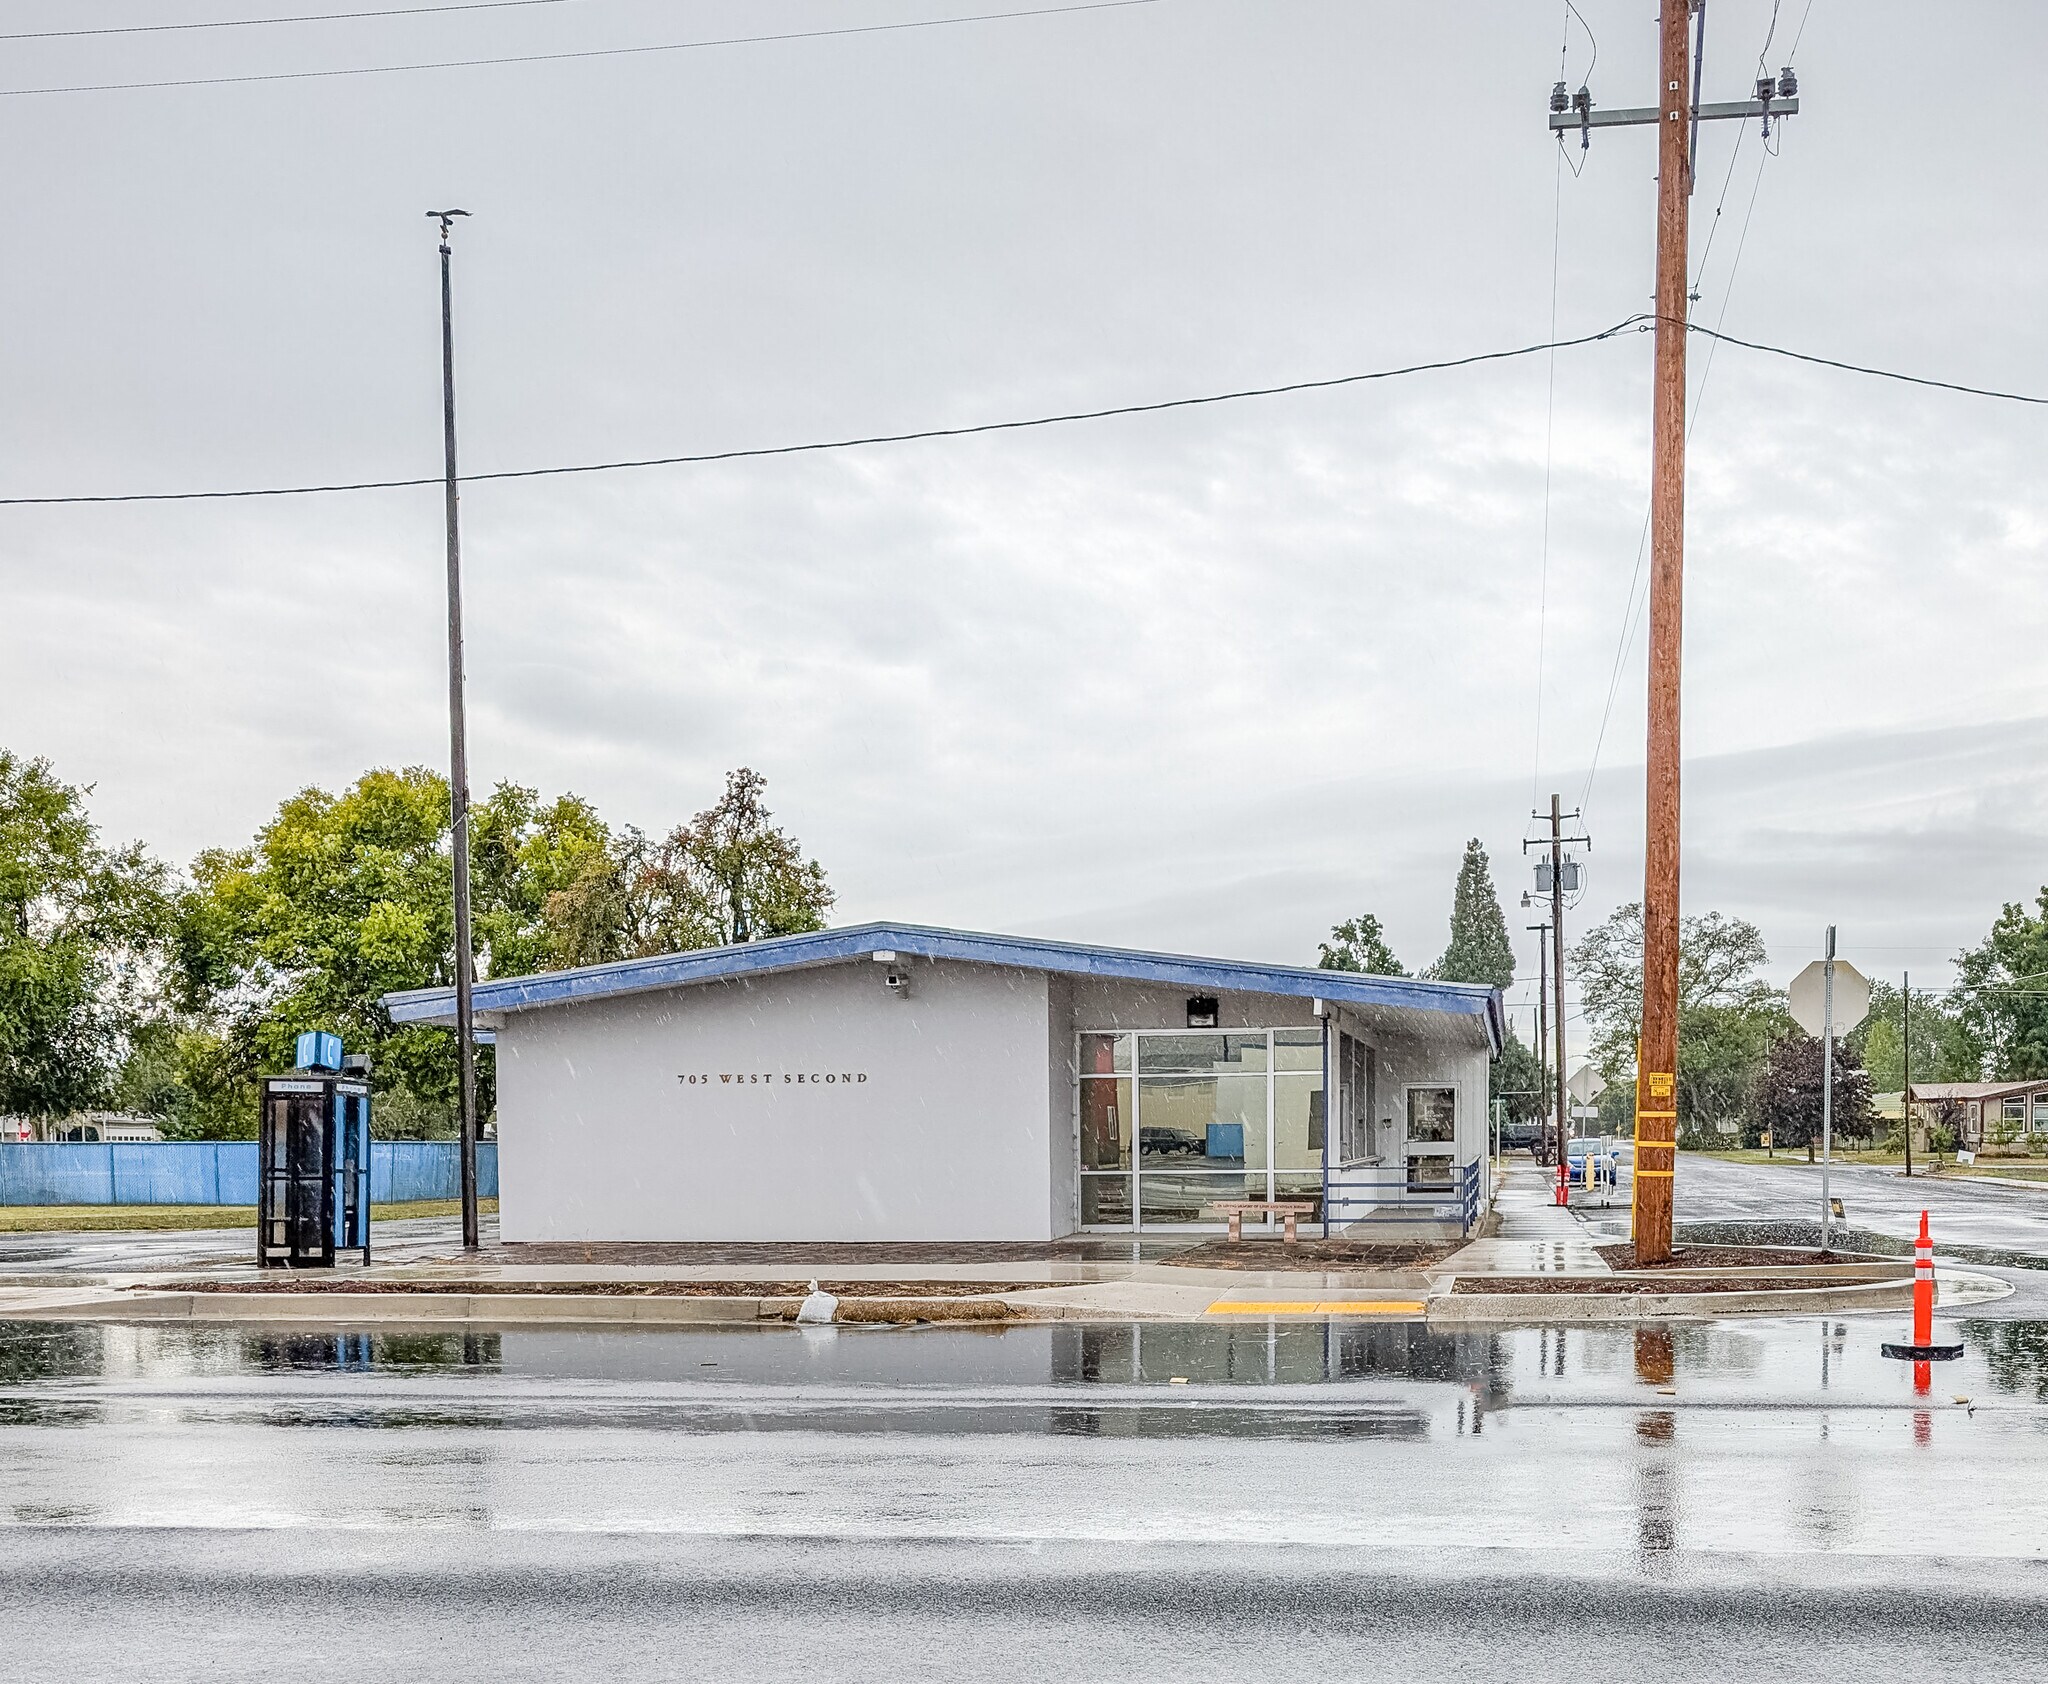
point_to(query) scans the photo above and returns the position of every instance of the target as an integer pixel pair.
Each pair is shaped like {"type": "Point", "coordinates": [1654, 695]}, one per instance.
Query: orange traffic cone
{"type": "Point", "coordinates": [1923, 1348]}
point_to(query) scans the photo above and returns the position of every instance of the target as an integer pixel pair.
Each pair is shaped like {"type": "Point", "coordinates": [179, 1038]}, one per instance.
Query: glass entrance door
{"type": "Point", "coordinates": [1174, 1121]}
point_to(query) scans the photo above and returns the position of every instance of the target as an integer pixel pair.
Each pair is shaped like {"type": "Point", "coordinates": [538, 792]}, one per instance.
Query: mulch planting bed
{"type": "Point", "coordinates": [609, 1289]}
{"type": "Point", "coordinates": [1625, 1284]}
{"type": "Point", "coordinates": [1311, 1254]}
{"type": "Point", "coordinates": [1722, 1257]}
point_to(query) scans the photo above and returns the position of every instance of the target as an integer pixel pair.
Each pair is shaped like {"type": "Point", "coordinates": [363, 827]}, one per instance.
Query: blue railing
{"type": "Point", "coordinates": [214, 1172]}
{"type": "Point", "coordinates": [1383, 1193]}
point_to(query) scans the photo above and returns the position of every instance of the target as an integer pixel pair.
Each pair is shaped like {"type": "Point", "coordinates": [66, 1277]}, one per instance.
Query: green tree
{"type": "Point", "coordinates": [1518, 1079]}
{"type": "Point", "coordinates": [1479, 949]}
{"type": "Point", "coordinates": [1940, 1049]}
{"type": "Point", "coordinates": [2001, 997]}
{"type": "Point", "coordinates": [1787, 1094]}
{"type": "Point", "coordinates": [80, 933]}
{"type": "Point", "coordinates": [1359, 944]}
{"type": "Point", "coordinates": [727, 876]}
{"type": "Point", "coordinates": [340, 900]}
{"type": "Point", "coordinates": [523, 858]}
{"type": "Point", "coordinates": [1728, 1016]}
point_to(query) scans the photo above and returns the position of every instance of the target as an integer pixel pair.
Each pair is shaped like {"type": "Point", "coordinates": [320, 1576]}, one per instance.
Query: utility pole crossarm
{"type": "Point", "coordinates": [1630, 116]}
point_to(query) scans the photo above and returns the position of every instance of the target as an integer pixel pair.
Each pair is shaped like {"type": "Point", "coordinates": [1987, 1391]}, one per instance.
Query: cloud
{"type": "Point", "coordinates": [1212, 679]}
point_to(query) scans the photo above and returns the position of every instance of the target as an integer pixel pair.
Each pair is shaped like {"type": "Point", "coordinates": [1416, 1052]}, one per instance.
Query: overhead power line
{"type": "Point", "coordinates": [264, 23]}
{"type": "Point", "coordinates": [1874, 373]}
{"type": "Point", "coordinates": [859, 442]}
{"type": "Point", "coordinates": [1637, 323]}
{"type": "Point", "coordinates": [581, 53]}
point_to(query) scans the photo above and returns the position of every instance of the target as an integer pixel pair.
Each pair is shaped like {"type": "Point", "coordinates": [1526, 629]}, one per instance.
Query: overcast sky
{"type": "Point", "coordinates": [1206, 681]}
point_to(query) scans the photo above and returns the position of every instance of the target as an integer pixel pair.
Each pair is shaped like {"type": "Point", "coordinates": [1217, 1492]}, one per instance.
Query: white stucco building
{"type": "Point", "coordinates": [892, 1082]}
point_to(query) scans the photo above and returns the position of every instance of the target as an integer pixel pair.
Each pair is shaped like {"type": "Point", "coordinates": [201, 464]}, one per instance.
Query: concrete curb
{"type": "Point", "coordinates": [1837, 1296]}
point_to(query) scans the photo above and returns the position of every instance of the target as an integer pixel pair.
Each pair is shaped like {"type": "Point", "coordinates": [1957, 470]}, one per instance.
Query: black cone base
{"type": "Point", "coordinates": [1924, 1353]}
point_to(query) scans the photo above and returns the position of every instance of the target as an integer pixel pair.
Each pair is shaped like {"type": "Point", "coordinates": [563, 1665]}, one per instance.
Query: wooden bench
{"type": "Point", "coordinates": [1288, 1210]}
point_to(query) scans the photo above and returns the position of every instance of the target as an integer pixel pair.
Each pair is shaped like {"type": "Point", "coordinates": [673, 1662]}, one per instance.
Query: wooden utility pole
{"type": "Point", "coordinates": [1542, 1016]}
{"type": "Point", "coordinates": [1557, 886]}
{"type": "Point", "coordinates": [1656, 1134]}
{"type": "Point", "coordinates": [1556, 877]}
{"type": "Point", "coordinates": [458, 760]}
{"type": "Point", "coordinates": [1677, 116]}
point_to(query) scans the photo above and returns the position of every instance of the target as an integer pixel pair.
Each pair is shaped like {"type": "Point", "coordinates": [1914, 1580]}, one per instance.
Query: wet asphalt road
{"type": "Point", "coordinates": [1756, 1500]}
{"type": "Point", "coordinates": [2008, 1218]}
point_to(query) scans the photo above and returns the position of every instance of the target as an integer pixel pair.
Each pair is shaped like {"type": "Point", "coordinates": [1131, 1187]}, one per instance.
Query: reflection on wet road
{"type": "Point", "coordinates": [1753, 1500]}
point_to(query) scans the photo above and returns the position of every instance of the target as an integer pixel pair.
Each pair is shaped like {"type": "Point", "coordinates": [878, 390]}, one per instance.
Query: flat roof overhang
{"type": "Point", "coordinates": [1450, 1006]}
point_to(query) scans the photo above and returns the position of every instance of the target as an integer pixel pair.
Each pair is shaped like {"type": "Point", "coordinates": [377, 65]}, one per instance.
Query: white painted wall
{"type": "Point", "coordinates": [949, 1137]}
{"type": "Point", "coordinates": [1063, 1120]}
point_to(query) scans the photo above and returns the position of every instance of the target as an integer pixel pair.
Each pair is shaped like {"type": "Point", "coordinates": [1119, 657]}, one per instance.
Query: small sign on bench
{"type": "Point", "coordinates": [1288, 1210]}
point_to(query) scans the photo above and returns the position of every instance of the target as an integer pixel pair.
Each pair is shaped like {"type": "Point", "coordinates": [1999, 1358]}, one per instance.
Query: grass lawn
{"type": "Point", "coordinates": [37, 1219]}
{"type": "Point", "coordinates": [2021, 1169]}
{"type": "Point", "coordinates": [1943, 1163]}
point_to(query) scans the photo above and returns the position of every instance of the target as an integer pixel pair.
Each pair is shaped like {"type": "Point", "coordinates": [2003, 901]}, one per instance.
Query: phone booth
{"type": "Point", "coordinates": [313, 1190]}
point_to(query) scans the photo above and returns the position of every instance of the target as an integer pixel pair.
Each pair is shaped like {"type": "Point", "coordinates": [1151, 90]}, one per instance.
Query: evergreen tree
{"type": "Point", "coordinates": [1479, 950]}
{"type": "Point", "coordinates": [1359, 944]}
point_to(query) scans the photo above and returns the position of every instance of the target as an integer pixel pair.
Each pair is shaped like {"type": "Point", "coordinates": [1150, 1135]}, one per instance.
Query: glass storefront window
{"type": "Point", "coordinates": [1433, 1115]}
{"type": "Point", "coordinates": [1177, 1195]}
{"type": "Point", "coordinates": [1213, 1122]}
{"type": "Point", "coordinates": [1298, 1049]}
{"type": "Point", "coordinates": [1106, 1122]}
{"type": "Point", "coordinates": [1106, 1201]}
{"type": "Point", "coordinates": [1298, 1122]}
{"type": "Point", "coordinates": [1105, 1055]}
{"type": "Point", "coordinates": [1301, 1189]}
{"type": "Point", "coordinates": [1173, 1121]}
{"type": "Point", "coordinates": [1203, 1050]}
{"type": "Point", "coordinates": [1357, 1068]}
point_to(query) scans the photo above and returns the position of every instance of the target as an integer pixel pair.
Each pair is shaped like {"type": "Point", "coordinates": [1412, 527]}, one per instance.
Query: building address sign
{"type": "Point", "coordinates": [778, 1078]}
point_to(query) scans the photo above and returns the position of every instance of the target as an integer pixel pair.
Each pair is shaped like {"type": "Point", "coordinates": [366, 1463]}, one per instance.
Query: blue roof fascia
{"type": "Point", "coordinates": [829, 946]}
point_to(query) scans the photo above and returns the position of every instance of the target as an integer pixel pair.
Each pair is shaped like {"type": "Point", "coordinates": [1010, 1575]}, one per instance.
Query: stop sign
{"type": "Point", "coordinates": [1852, 997]}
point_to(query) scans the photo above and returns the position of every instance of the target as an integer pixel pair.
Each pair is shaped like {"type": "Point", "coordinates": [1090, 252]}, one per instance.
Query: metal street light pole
{"type": "Point", "coordinates": [1827, 1091]}
{"type": "Point", "coordinates": [458, 758]}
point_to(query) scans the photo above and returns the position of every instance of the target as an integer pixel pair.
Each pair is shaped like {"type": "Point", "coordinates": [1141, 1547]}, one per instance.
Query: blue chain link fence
{"type": "Point", "coordinates": [215, 1172]}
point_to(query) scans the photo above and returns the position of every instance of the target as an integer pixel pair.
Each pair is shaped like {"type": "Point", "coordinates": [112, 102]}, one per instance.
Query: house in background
{"type": "Point", "coordinates": [82, 1126]}
{"type": "Point", "coordinates": [1983, 1113]}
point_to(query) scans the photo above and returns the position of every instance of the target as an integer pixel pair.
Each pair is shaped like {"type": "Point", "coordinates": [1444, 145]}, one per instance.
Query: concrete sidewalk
{"type": "Point", "coordinates": [1536, 1236]}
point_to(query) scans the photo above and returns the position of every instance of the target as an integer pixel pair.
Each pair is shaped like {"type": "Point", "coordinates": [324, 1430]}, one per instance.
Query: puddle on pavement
{"type": "Point", "coordinates": [1291, 1379]}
